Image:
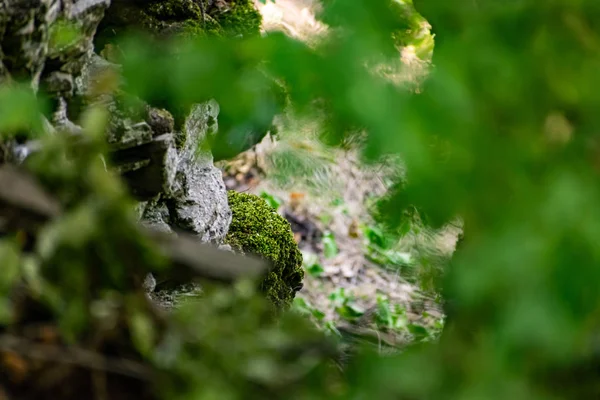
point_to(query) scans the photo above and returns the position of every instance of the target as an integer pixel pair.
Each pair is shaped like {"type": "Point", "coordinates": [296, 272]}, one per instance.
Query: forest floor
{"type": "Point", "coordinates": [354, 275]}
{"type": "Point", "coordinates": [326, 195]}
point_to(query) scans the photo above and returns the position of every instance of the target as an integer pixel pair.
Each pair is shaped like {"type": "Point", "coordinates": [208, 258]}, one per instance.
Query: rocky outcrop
{"type": "Point", "coordinates": [181, 188]}
{"type": "Point", "coordinates": [166, 162]}
{"type": "Point", "coordinates": [50, 45]}
{"type": "Point", "coordinates": [35, 45]}
{"type": "Point", "coordinates": [196, 201]}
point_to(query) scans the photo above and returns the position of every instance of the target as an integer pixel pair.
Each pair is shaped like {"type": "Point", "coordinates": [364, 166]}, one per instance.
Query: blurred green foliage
{"type": "Point", "coordinates": [480, 141]}
{"type": "Point", "coordinates": [233, 350]}
{"type": "Point", "coordinates": [330, 248]}
{"type": "Point", "coordinates": [21, 112]}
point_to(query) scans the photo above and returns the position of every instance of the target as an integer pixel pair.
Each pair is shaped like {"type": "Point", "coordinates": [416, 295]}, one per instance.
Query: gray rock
{"type": "Point", "coordinates": [149, 283]}
{"type": "Point", "coordinates": [156, 215]}
{"type": "Point", "coordinates": [30, 51]}
{"type": "Point", "coordinates": [141, 148]}
{"type": "Point", "coordinates": [160, 120]}
{"type": "Point", "coordinates": [65, 61]}
{"type": "Point", "coordinates": [199, 196]}
{"type": "Point", "coordinates": [62, 122]}
{"type": "Point", "coordinates": [226, 247]}
{"type": "Point", "coordinates": [24, 38]}
{"type": "Point", "coordinates": [186, 191]}
{"type": "Point", "coordinates": [59, 82]}
{"type": "Point", "coordinates": [92, 72]}
{"type": "Point", "coordinates": [197, 202]}
{"type": "Point", "coordinates": [126, 127]}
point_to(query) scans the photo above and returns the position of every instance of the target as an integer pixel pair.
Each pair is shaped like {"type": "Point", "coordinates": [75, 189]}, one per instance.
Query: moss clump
{"type": "Point", "coordinates": [242, 19]}
{"type": "Point", "coordinates": [180, 18]}
{"type": "Point", "coordinates": [257, 229]}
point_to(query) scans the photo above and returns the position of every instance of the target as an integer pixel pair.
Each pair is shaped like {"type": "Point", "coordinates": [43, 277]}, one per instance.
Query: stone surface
{"type": "Point", "coordinates": [148, 168]}
{"type": "Point", "coordinates": [198, 202]}
{"type": "Point", "coordinates": [66, 60]}
{"type": "Point", "coordinates": [24, 33]}
{"type": "Point", "coordinates": [155, 215]}
{"type": "Point", "coordinates": [186, 190]}
{"type": "Point", "coordinates": [33, 46]}
{"type": "Point", "coordinates": [160, 120]}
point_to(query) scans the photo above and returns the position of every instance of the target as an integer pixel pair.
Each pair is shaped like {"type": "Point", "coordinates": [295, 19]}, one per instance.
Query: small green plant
{"type": "Point", "coordinates": [338, 201]}
{"type": "Point", "coordinates": [326, 219]}
{"type": "Point", "coordinates": [312, 264]}
{"type": "Point", "coordinates": [345, 305]}
{"type": "Point", "coordinates": [382, 248]}
{"type": "Point", "coordinates": [272, 200]}
{"type": "Point", "coordinates": [392, 318]}
{"type": "Point", "coordinates": [330, 248]}
{"type": "Point", "coordinates": [304, 307]}
{"type": "Point", "coordinates": [388, 316]}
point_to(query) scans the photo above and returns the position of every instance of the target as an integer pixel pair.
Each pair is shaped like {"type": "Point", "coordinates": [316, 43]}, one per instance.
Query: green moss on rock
{"type": "Point", "coordinates": [180, 17]}
{"type": "Point", "coordinates": [242, 19]}
{"type": "Point", "coordinates": [256, 228]}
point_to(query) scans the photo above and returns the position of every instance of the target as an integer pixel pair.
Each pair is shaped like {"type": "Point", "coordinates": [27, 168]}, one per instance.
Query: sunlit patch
{"type": "Point", "coordinates": [296, 18]}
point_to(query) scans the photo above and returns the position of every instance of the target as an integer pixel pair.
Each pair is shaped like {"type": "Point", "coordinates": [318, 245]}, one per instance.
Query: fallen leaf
{"type": "Point", "coordinates": [353, 229]}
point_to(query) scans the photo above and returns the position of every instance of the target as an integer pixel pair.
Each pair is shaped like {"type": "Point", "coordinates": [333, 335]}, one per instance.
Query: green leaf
{"type": "Point", "coordinates": [20, 111]}
{"type": "Point", "coordinates": [384, 314]}
{"type": "Point", "coordinates": [338, 201]}
{"type": "Point", "coordinates": [315, 269]}
{"type": "Point", "coordinates": [404, 228]}
{"type": "Point", "coordinates": [330, 248]}
{"type": "Point", "coordinates": [304, 307]}
{"type": "Point", "coordinates": [338, 296]}
{"type": "Point", "coordinates": [418, 331]}
{"type": "Point", "coordinates": [272, 200]}
{"type": "Point", "coordinates": [350, 312]}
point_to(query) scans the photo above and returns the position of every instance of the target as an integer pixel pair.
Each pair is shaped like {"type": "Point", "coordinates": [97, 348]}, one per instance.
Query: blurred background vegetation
{"type": "Point", "coordinates": [497, 137]}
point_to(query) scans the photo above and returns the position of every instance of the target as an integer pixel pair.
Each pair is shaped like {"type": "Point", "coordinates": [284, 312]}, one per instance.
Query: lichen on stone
{"type": "Point", "coordinates": [256, 228]}
{"type": "Point", "coordinates": [160, 120]}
